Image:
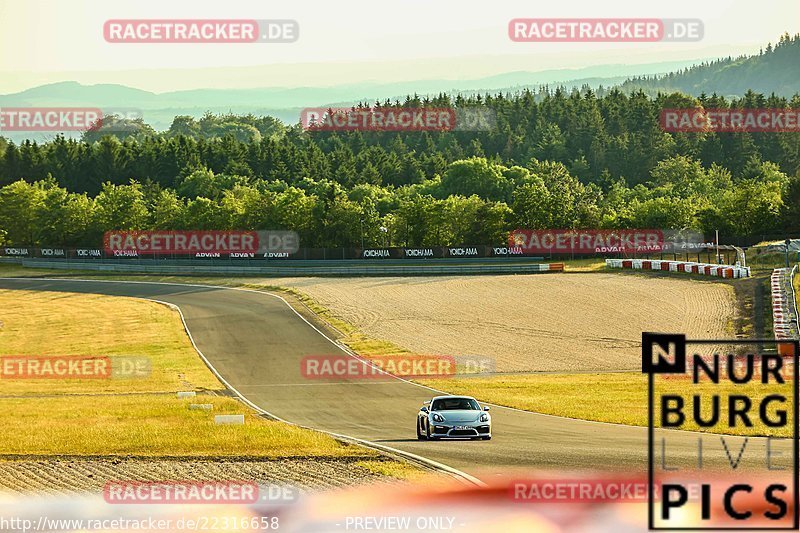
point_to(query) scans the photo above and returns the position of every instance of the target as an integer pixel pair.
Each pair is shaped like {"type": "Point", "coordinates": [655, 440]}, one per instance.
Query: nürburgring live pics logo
{"type": "Point", "coordinates": [739, 469]}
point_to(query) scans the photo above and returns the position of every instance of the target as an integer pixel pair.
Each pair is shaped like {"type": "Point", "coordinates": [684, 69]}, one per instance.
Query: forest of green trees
{"type": "Point", "coordinates": [555, 160]}
{"type": "Point", "coordinates": [772, 70]}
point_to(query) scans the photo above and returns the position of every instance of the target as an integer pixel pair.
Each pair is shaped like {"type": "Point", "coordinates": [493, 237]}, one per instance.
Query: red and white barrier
{"type": "Point", "coordinates": [706, 269]}
{"type": "Point", "coordinates": [784, 309]}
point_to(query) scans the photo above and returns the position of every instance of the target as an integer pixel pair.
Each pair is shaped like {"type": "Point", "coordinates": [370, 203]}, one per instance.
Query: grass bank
{"type": "Point", "coordinates": [137, 416]}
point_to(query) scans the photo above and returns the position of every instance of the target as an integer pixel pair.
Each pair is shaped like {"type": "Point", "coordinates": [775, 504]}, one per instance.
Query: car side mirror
{"type": "Point", "coordinates": [424, 409]}
{"type": "Point", "coordinates": [485, 407]}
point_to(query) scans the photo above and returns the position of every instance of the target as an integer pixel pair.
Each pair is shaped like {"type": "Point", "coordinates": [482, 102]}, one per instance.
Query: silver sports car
{"type": "Point", "coordinates": [454, 417]}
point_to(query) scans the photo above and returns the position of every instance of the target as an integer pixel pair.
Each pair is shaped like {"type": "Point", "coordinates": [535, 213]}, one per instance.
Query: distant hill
{"type": "Point", "coordinates": [115, 95]}
{"type": "Point", "coordinates": [776, 69]}
{"type": "Point", "coordinates": [285, 103]}
{"type": "Point", "coordinates": [73, 93]}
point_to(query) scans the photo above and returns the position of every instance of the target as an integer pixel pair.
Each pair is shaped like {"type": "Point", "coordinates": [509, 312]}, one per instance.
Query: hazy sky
{"type": "Point", "coordinates": [353, 41]}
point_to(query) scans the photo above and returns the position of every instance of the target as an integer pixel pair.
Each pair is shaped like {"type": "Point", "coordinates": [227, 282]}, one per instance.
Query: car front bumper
{"type": "Point", "coordinates": [461, 431]}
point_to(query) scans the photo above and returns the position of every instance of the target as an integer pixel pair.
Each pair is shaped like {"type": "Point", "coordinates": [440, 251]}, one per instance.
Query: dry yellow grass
{"type": "Point", "coordinates": [396, 470]}
{"type": "Point", "coordinates": [153, 426]}
{"type": "Point", "coordinates": [541, 322]}
{"type": "Point", "coordinates": [55, 323]}
{"type": "Point", "coordinates": [555, 322]}
{"type": "Point", "coordinates": [124, 417]}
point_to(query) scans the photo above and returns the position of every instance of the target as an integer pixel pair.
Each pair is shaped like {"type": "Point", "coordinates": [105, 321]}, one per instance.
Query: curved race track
{"type": "Point", "coordinates": [256, 342]}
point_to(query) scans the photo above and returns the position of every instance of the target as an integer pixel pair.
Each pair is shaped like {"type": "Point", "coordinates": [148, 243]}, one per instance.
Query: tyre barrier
{"type": "Point", "coordinates": [784, 309]}
{"type": "Point", "coordinates": [689, 267]}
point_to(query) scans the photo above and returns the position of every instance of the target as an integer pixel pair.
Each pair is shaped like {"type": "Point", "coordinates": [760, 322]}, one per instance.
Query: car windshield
{"type": "Point", "coordinates": [453, 404]}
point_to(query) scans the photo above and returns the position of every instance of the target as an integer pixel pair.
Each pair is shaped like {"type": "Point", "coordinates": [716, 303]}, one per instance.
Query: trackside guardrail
{"type": "Point", "coordinates": [706, 269]}
{"type": "Point", "coordinates": [404, 254]}
{"type": "Point", "coordinates": [795, 272]}
{"type": "Point", "coordinates": [314, 269]}
{"type": "Point", "coordinates": [784, 308]}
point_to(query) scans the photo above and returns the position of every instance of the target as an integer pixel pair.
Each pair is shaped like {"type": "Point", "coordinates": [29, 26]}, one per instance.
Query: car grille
{"type": "Point", "coordinates": [462, 433]}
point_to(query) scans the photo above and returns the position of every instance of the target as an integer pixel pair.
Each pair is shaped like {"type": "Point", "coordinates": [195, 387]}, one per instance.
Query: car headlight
{"type": "Point", "coordinates": [437, 417]}
{"type": "Point", "coordinates": [485, 417]}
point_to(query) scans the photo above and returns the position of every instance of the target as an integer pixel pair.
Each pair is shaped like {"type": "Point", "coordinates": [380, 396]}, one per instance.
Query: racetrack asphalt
{"type": "Point", "coordinates": [256, 342]}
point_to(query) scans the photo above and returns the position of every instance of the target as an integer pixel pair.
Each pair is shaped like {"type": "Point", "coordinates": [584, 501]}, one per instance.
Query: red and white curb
{"type": "Point", "coordinates": [706, 269]}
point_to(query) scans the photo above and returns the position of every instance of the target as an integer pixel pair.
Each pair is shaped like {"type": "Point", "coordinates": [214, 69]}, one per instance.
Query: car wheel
{"type": "Point", "coordinates": [420, 436]}
{"type": "Point", "coordinates": [486, 438]}
{"type": "Point", "coordinates": [428, 435]}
